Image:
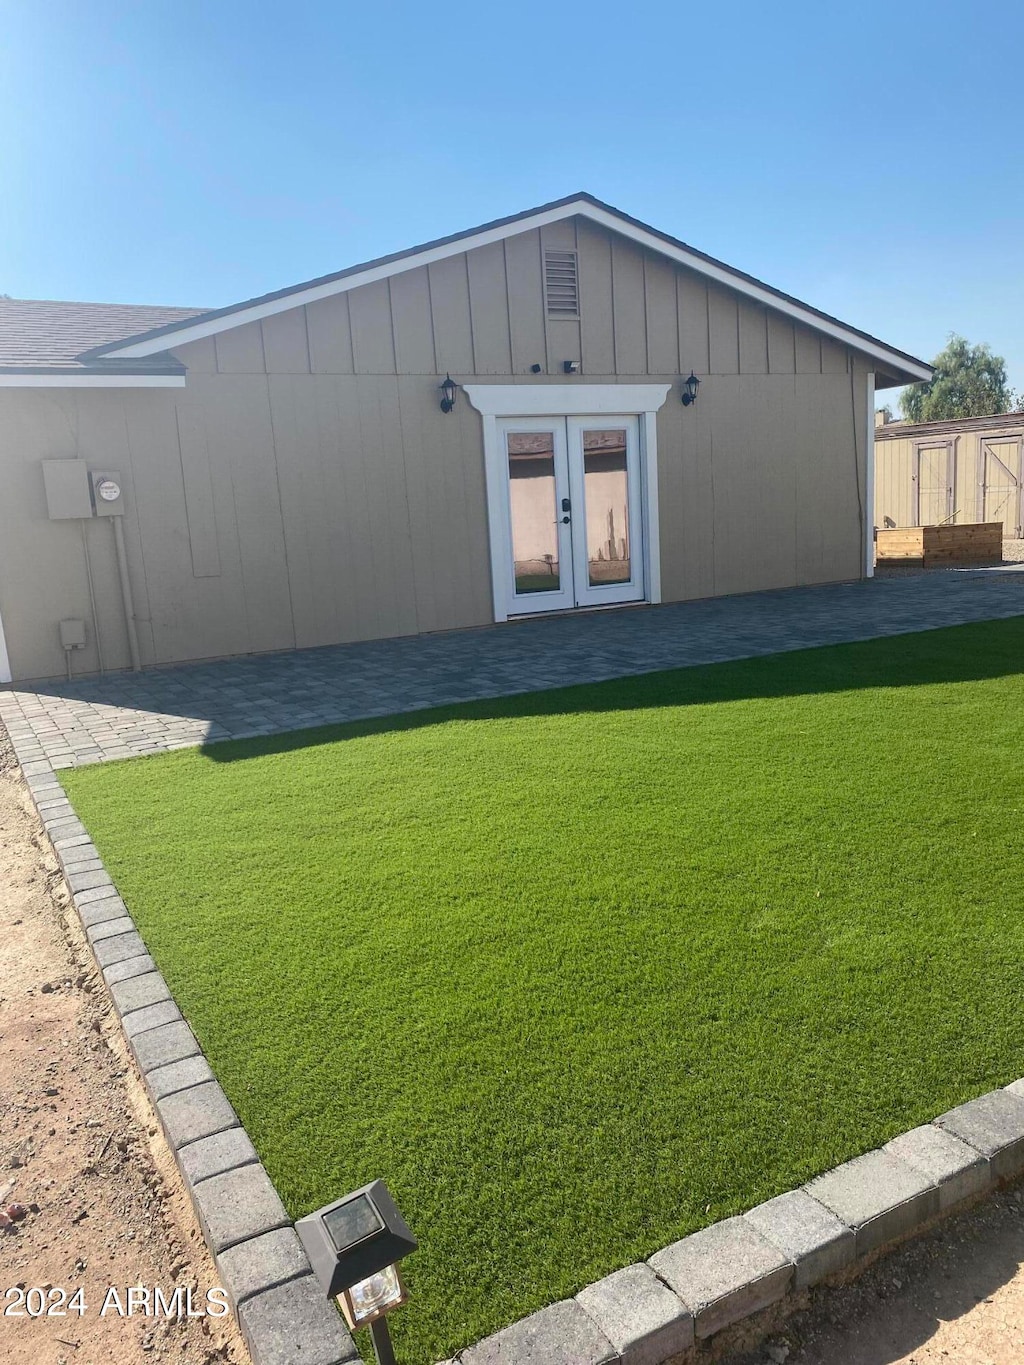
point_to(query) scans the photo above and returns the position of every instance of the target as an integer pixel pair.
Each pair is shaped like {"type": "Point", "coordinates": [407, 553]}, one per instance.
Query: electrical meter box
{"type": "Point", "coordinates": [107, 493]}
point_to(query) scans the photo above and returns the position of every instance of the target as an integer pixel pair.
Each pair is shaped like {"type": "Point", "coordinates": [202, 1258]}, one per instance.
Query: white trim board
{"type": "Point", "coordinates": [564, 400]}
{"type": "Point", "coordinates": [5, 660]}
{"type": "Point", "coordinates": [869, 478]}
{"type": "Point", "coordinates": [64, 379]}
{"type": "Point", "coordinates": [584, 208]}
{"type": "Point", "coordinates": [493, 401]}
{"type": "Point", "coordinates": [652, 512]}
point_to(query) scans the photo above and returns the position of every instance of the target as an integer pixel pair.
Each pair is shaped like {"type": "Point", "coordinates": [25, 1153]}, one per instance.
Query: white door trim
{"type": "Point", "coordinates": [649, 492]}
{"type": "Point", "coordinates": [566, 400]}
{"type": "Point", "coordinates": [5, 662]}
{"type": "Point", "coordinates": [869, 481]}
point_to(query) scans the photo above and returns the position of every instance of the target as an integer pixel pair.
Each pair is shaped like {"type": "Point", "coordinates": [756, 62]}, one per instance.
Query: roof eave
{"type": "Point", "coordinates": [896, 377]}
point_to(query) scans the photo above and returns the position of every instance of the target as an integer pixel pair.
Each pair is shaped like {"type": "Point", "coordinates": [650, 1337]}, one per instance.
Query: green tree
{"type": "Point", "coordinates": [969, 381]}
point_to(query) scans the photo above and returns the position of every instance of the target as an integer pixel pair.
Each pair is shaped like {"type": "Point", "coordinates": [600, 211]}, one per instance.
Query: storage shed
{"type": "Point", "coordinates": [295, 471]}
{"type": "Point", "coordinates": [958, 472]}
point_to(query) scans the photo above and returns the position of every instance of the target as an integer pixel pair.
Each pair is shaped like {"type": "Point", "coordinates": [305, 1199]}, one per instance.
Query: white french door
{"type": "Point", "coordinates": [574, 512]}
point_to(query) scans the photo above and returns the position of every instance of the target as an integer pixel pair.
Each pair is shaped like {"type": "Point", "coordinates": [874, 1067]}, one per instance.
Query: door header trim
{"type": "Point", "coordinates": [565, 400]}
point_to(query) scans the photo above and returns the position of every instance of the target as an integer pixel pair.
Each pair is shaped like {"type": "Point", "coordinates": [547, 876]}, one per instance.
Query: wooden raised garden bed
{"type": "Point", "coordinates": [952, 546]}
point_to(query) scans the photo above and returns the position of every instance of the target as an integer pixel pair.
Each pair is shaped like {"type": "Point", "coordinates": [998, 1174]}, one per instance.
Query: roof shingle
{"type": "Point", "coordinates": [46, 334]}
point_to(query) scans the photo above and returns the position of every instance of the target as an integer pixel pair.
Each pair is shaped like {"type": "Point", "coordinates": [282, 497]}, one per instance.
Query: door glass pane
{"type": "Point", "coordinates": [531, 485]}
{"type": "Point", "coordinates": [607, 503]}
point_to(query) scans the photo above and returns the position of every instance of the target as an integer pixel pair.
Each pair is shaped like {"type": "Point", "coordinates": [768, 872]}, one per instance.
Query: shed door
{"type": "Point", "coordinates": [934, 485]}
{"type": "Point", "coordinates": [1000, 478]}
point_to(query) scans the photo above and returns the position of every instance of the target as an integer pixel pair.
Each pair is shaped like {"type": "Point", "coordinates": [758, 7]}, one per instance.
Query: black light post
{"type": "Point", "coordinates": [354, 1246]}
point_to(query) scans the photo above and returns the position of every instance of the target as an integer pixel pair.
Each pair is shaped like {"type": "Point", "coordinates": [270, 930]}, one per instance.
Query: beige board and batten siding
{"type": "Point", "coordinates": [963, 472]}
{"type": "Point", "coordinates": [305, 489]}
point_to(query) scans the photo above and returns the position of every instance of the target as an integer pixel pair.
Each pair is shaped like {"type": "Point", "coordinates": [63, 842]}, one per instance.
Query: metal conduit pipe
{"type": "Point", "coordinates": [126, 594]}
{"type": "Point", "coordinates": [92, 601]}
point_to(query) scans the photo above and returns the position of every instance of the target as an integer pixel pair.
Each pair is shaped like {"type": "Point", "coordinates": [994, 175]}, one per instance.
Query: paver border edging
{"type": "Point", "coordinates": [281, 1309]}
{"type": "Point", "coordinates": [650, 1313]}
{"type": "Point", "coordinates": [752, 1270]}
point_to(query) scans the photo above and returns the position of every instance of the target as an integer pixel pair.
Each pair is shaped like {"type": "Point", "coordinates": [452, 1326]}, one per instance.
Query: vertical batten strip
{"type": "Point", "coordinates": [869, 536]}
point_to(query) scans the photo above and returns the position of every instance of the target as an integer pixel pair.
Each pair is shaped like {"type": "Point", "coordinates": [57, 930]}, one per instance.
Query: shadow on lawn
{"type": "Point", "coordinates": [978, 652]}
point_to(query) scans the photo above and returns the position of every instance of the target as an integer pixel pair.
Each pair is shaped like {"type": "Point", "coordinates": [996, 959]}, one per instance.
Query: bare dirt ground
{"type": "Point", "coordinates": [80, 1149]}
{"type": "Point", "coordinates": [954, 1297]}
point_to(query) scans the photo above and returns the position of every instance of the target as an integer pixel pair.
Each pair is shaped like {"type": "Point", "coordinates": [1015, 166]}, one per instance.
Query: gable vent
{"type": "Point", "coordinates": [561, 285]}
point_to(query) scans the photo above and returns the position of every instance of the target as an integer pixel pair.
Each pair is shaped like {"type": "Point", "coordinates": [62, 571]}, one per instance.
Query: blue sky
{"type": "Point", "coordinates": [867, 158]}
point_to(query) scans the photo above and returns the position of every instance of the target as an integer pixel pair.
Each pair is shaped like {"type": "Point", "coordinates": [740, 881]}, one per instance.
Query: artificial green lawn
{"type": "Point", "coordinates": [582, 971]}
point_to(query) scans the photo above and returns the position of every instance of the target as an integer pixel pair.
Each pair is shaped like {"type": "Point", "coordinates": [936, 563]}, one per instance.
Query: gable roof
{"type": "Point", "coordinates": [898, 364]}
{"type": "Point", "coordinates": [47, 336]}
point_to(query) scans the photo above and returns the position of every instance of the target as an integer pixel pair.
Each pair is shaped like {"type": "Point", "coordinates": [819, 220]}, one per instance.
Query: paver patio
{"type": "Point", "coordinates": [122, 715]}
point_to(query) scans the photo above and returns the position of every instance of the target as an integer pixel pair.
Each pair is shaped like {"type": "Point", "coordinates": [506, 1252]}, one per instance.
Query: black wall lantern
{"type": "Point", "coordinates": [448, 391]}
{"type": "Point", "coordinates": [690, 389]}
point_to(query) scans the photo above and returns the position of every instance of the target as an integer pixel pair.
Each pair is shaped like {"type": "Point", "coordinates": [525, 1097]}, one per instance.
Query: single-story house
{"type": "Point", "coordinates": [958, 472]}
{"type": "Point", "coordinates": [627, 420]}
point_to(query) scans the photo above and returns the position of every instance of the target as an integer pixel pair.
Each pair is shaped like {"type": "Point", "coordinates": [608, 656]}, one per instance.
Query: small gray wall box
{"type": "Point", "coordinates": [72, 634]}
{"type": "Point", "coordinates": [66, 483]}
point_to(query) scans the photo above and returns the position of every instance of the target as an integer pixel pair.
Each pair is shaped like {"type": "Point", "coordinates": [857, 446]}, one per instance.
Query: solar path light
{"type": "Point", "coordinates": [354, 1246]}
